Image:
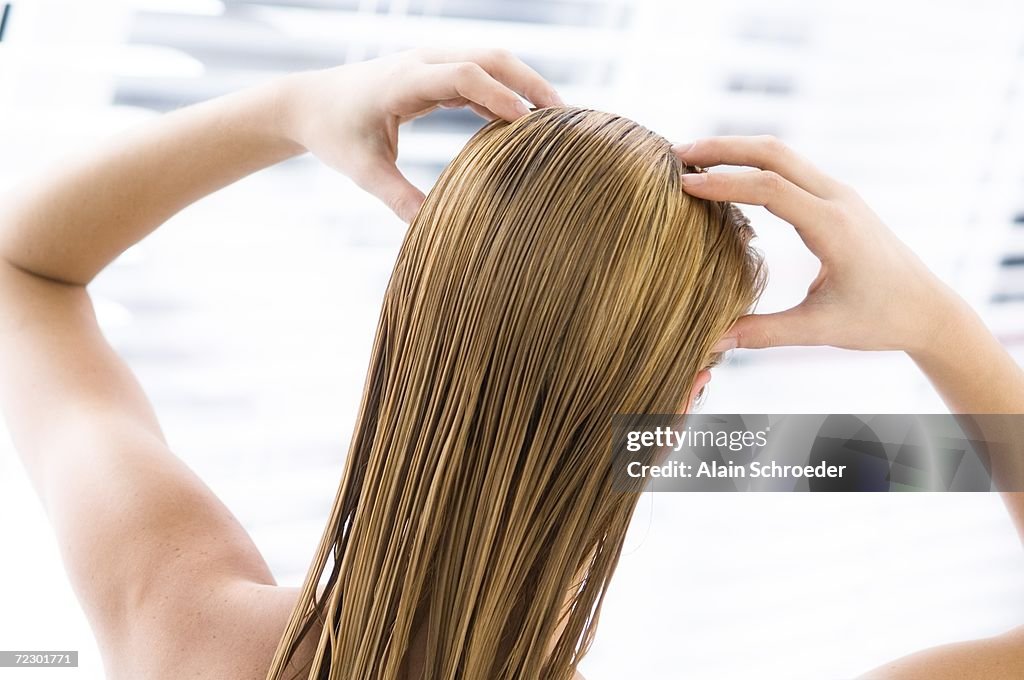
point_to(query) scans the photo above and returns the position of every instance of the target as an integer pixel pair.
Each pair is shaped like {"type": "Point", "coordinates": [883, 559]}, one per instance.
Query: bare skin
{"type": "Point", "coordinates": [165, 573]}
{"type": "Point", "coordinates": [873, 293]}
{"type": "Point", "coordinates": [168, 578]}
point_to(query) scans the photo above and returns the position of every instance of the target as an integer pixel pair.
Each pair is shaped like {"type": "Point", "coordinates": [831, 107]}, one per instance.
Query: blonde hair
{"type": "Point", "coordinates": [556, 275]}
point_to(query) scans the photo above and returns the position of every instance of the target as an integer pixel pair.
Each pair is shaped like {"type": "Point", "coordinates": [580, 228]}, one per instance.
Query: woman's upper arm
{"type": "Point", "coordinates": [133, 522]}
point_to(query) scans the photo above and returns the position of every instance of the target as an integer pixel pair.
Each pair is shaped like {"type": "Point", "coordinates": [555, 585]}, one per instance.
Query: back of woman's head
{"type": "Point", "coordinates": [555, 276]}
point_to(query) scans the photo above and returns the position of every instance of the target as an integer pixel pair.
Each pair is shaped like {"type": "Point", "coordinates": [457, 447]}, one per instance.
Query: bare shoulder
{"type": "Point", "coordinates": [229, 632]}
{"type": "Point", "coordinates": [995, 658]}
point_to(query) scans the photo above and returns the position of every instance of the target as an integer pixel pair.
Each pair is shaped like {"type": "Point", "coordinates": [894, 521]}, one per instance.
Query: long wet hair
{"type": "Point", "coordinates": [556, 275]}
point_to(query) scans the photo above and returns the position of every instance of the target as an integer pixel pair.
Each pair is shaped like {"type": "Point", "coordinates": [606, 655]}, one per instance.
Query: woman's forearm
{"type": "Point", "coordinates": [968, 367]}
{"type": "Point", "coordinates": [70, 223]}
{"type": "Point", "coordinates": [981, 382]}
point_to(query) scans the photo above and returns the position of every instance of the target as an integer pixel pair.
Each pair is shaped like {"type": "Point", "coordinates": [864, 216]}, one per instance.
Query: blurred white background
{"type": "Point", "coordinates": [249, 317]}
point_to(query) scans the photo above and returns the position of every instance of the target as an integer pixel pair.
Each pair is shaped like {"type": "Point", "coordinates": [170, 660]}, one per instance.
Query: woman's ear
{"type": "Point", "coordinates": [703, 378]}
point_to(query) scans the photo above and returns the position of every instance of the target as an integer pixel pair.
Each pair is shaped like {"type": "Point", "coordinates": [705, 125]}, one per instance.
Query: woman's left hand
{"type": "Point", "coordinates": [348, 116]}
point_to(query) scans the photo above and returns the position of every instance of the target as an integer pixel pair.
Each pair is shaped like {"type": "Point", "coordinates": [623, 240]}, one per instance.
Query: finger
{"type": "Point", "coordinates": [795, 326]}
{"type": "Point", "coordinates": [764, 152]}
{"type": "Point", "coordinates": [469, 80]}
{"type": "Point", "coordinates": [482, 112]}
{"type": "Point", "coordinates": [507, 69]}
{"type": "Point", "coordinates": [809, 214]}
{"type": "Point", "coordinates": [383, 180]}
{"type": "Point", "coordinates": [460, 102]}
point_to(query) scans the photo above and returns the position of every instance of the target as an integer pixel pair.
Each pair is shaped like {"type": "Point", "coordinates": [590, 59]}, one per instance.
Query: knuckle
{"type": "Point", "coordinates": [467, 70]}
{"type": "Point", "coordinates": [836, 214]}
{"type": "Point", "coordinates": [772, 144]}
{"type": "Point", "coordinates": [398, 205]}
{"type": "Point", "coordinates": [761, 338]}
{"type": "Point", "coordinates": [394, 198]}
{"type": "Point", "coordinates": [845, 191]}
{"type": "Point", "coordinates": [772, 182]}
{"type": "Point", "coordinates": [502, 55]}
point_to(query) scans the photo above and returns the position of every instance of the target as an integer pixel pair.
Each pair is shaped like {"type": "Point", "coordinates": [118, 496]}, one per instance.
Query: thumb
{"type": "Point", "coordinates": [384, 181]}
{"type": "Point", "coordinates": [759, 331]}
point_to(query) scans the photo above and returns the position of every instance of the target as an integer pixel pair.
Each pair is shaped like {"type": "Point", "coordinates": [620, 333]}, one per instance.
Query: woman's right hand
{"type": "Point", "coordinates": [349, 116]}
{"type": "Point", "coordinates": [872, 292]}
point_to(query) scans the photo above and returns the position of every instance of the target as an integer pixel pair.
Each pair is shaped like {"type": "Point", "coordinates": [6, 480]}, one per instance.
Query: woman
{"type": "Point", "coordinates": [586, 283]}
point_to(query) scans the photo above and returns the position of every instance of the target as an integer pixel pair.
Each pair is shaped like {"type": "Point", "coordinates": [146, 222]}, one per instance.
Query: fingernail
{"type": "Point", "coordinates": [724, 345]}
{"type": "Point", "coordinates": [694, 178]}
{"type": "Point", "coordinates": [521, 108]}
{"type": "Point", "coordinates": [557, 99]}
{"type": "Point", "coordinates": [682, 147]}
